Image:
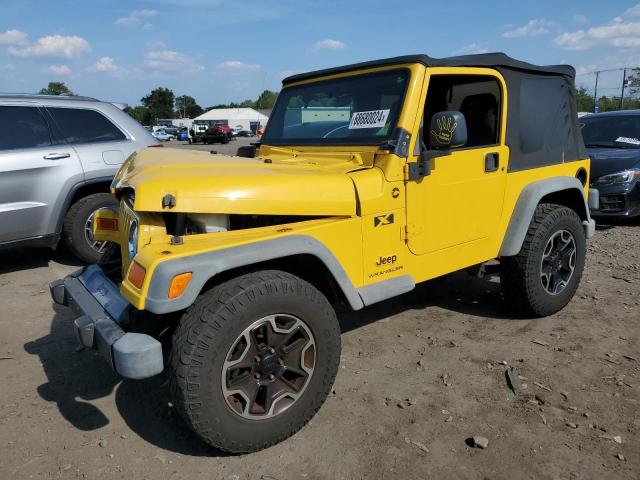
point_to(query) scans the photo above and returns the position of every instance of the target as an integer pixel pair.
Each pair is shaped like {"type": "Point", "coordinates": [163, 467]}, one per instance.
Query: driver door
{"type": "Point", "coordinates": [460, 201]}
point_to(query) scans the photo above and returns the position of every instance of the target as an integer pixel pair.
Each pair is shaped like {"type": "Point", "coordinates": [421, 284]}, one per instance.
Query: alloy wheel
{"type": "Point", "coordinates": [558, 262]}
{"type": "Point", "coordinates": [269, 366]}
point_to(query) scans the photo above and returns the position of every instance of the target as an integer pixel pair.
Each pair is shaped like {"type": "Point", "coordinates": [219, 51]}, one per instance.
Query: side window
{"type": "Point", "coordinates": [85, 126]}
{"type": "Point", "coordinates": [477, 97]}
{"type": "Point", "coordinates": [23, 127]}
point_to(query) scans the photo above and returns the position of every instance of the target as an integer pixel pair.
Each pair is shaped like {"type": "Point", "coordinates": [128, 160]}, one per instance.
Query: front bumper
{"type": "Point", "coordinates": [101, 312]}
{"type": "Point", "coordinates": [618, 201]}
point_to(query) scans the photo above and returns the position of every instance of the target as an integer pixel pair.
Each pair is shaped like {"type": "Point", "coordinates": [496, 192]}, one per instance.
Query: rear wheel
{"type": "Point", "coordinates": [253, 359]}
{"type": "Point", "coordinates": [544, 276]}
{"type": "Point", "coordinates": [78, 226]}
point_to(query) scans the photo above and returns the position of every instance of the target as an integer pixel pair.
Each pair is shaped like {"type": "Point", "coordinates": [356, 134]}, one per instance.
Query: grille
{"type": "Point", "coordinates": [612, 203]}
{"type": "Point", "coordinates": [126, 216]}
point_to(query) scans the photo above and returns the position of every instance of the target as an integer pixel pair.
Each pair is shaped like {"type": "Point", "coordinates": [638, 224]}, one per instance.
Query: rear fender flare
{"type": "Point", "coordinates": [526, 205]}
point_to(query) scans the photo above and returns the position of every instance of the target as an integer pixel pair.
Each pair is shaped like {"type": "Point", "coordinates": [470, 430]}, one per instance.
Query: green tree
{"type": "Point", "coordinates": [186, 107]}
{"type": "Point", "coordinates": [140, 113]}
{"type": "Point", "coordinates": [584, 100]}
{"type": "Point", "coordinates": [56, 88]}
{"type": "Point", "coordinates": [159, 104]}
{"type": "Point", "coordinates": [267, 99]}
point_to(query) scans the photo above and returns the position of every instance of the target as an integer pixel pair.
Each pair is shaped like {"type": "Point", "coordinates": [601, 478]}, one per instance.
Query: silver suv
{"type": "Point", "coordinates": [58, 156]}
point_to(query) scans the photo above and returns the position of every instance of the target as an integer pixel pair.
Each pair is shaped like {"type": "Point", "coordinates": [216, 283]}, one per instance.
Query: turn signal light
{"type": "Point", "coordinates": [136, 274]}
{"type": "Point", "coordinates": [179, 284]}
{"type": "Point", "coordinates": [107, 224]}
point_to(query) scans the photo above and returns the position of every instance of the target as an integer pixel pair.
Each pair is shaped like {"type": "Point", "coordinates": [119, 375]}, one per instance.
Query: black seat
{"type": "Point", "coordinates": [480, 112]}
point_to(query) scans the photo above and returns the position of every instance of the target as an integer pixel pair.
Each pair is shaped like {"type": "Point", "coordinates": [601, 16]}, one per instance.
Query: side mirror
{"type": "Point", "coordinates": [447, 130]}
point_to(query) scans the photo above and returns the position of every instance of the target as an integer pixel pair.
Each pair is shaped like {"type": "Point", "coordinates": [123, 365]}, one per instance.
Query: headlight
{"type": "Point", "coordinates": [626, 176]}
{"type": "Point", "coordinates": [132, 241]}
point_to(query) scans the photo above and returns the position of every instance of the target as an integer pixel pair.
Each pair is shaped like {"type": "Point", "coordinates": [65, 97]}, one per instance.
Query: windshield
{"type": "Point", "coordinates": [355, 110]}
{"type": "Point", "coordinates": [621, 131]}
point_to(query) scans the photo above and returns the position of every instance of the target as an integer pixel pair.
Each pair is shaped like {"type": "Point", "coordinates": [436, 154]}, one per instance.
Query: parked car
{"type": "Point", "coordinates": [215, 135]}
{"type": "Point", "coordinates": [183, 135]}
{"type": "Point", "coordinates": [163, 136]}
{"type": "Point", "coordinates": [251, 256]}
{"type": "Point", "coordinates": [244, 133]}
{"type": "Point", "coordinates": [613, 143]}
{"type": "Point", "coordinates": [58, 156]}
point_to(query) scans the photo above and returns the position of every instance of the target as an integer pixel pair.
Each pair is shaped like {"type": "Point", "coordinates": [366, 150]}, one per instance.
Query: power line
{"type": "Point", "coordinates": [596, 72]}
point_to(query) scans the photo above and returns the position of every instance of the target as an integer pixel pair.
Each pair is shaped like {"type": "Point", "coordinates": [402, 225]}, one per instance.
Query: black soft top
{"type": "Point", "coordinates": [496, 60]}
{"type": "Point", "coordinates": [542, 122]}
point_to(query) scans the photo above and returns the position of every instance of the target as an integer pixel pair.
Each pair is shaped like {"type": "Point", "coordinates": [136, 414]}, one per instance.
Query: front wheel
{"type": "Point", "coordinates": [253, 359]}
{"type": "Point", "coordinates": [78, 226]}
{"type": "Point", "coordinates": [543, 277]}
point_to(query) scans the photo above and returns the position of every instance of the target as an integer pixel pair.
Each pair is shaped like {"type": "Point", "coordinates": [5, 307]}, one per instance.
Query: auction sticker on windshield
{"type": "Point", "coordinates": [632, 141]}
{"type": "Point", "coordinates": [370, 119]}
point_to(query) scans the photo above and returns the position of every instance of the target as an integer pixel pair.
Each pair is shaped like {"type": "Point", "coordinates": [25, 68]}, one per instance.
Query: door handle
{"type": "Point", "coordinates": [56, 156]}
{"type": "Point", "coordinates": [491, 162]}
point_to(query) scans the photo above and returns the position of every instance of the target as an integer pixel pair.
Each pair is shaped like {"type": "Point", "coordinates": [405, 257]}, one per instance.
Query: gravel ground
{"type": "Point", "coordinates": [420, 374]}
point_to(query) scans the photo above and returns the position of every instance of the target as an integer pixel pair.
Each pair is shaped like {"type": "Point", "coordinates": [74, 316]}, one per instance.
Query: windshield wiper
{"type": "Point", "coordinates": [602, 145]}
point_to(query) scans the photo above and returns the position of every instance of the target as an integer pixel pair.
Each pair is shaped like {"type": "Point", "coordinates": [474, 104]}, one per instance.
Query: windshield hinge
{"type": "Point", "coordinates": [399, 145]}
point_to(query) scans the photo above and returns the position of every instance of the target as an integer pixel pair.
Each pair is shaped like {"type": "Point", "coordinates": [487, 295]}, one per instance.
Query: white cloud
{"type": "Point", "coordinates": [169, 61]}
{"type": "Point", "coordinates": [136, 17]}
{"type": "Point", "coordinates": [621, 32]}
{"type": "Point", "coordinates": [236, 66]}
{"type": "Point", "coordinates": [107, 65]}
{"type": "Point", "coordinates": [52, 46]}
{"type": "Point", "coordinates": [13, 37]}
{"type": "Point", "coordinates": [59, 69]}
{"type": "Point", "coordinates": [633, 11]}
{"type": "Point", "coordinates": [531, 29]}
{"type": "Point", "coordinates": [329, 44]}
{"type": "Point", "coordinates": [471, 49]}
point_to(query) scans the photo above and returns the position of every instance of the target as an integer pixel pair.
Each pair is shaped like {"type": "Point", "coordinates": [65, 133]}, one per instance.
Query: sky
{"type": "Point", "coordinates": [220, 51]}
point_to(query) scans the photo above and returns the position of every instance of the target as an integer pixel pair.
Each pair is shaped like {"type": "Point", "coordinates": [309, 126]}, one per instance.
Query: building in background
{"type": "Point", "coordinates": [235, 118]}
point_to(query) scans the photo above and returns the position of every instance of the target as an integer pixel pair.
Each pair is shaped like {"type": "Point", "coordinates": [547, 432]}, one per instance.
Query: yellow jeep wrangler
{"type": "Point", "coordinates": [369, 178]}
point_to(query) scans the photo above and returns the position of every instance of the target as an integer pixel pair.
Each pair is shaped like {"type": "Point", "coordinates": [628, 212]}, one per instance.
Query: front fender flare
{"type": "Point", "coordinates": [205, 266]}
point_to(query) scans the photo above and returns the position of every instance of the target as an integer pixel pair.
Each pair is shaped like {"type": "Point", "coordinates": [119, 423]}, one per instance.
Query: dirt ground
{"type": "Point", "coordinates": [419, 375]}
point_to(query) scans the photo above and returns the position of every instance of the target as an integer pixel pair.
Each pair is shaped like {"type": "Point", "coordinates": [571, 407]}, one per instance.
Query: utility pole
{"type": "Point", "coordinates": [624, 81]}
{"type": "Point", "coordinates": [595, 94]}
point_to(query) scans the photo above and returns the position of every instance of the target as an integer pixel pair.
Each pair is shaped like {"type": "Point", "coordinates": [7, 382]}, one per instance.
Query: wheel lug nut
{"type": "Point", "coordinates": [280, 361]}
{"type": "Point", "coordinates": [257, 358]}
{"type": "Point", "coordinates": [272, 376]}
{"type": "Point", "coordinates": [271, 350]}
{"type": "Point", "coordinates": [257, 376]}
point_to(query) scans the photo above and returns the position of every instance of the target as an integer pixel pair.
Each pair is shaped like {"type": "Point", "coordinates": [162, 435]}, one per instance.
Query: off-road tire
{"type": "Point", "coordinates": [208, 330]}
{"type": "Point", "coordinates": [74, 225]}
{"type": "Point", "coordinates": [520, 274]}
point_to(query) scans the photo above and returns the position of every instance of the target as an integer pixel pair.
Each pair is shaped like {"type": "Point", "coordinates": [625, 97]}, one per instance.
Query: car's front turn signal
{"type": "Point", "coordinates": [136, 275]}
{"type": "Point", "coordinates": [179, 284]}
{"type": "Point", "coordinates": [110, 224]}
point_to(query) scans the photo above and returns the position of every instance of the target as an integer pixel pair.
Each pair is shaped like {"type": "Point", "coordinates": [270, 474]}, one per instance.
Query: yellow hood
{"type": "Point", "coordinates": [206, 183]}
